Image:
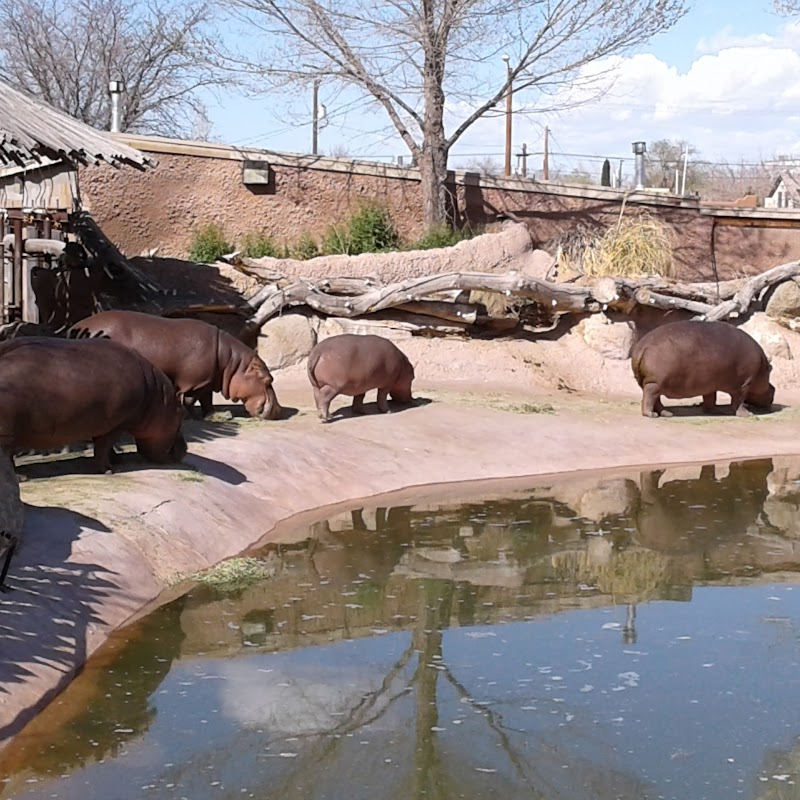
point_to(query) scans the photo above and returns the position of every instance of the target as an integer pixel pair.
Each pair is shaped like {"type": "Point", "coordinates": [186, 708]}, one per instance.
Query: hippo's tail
{"type": "Point", "coordinates": [637, 354]}
{"type": "Point", "coordinates": [311, 365]}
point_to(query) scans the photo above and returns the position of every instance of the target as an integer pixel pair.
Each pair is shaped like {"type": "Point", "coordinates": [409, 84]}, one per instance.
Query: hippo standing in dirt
{"type": "Point", "coordinates": [352, 365]}
{"type": "Point", "coordinates": [197, 357]}
{"type": "Point", "coordinates": [690, 359]}
{"type": "Point", "coordinates": [54, 392]}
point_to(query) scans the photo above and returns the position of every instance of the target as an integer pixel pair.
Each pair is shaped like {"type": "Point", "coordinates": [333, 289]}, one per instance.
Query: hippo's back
{"type": "Point", "coordinates": [696, 348]}
{"type": "Point", "coordinates": [54, 391]}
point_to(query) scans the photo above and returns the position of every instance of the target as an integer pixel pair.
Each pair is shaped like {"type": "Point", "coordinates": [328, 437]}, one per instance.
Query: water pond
{"type": "Point", "coordinates": [616, 636]}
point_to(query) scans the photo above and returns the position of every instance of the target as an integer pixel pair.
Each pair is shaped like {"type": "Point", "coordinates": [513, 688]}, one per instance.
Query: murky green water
{"type": "Point", "coordinates": [608, 637]}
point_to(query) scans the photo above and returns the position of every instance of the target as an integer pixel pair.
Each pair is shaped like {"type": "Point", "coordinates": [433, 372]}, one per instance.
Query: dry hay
{"type": "Point", "coordinates": [639, 244]}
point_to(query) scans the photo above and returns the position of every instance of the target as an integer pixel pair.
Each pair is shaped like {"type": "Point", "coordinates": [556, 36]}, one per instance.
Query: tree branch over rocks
{"type": "Point", "coordinates": [442, 297]}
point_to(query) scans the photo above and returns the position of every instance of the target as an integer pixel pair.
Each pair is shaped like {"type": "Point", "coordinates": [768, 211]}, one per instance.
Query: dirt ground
{"type": "Point", "coordinates": [98, 551]}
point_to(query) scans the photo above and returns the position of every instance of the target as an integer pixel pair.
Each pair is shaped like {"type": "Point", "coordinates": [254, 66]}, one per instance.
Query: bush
{"type": "Point", "coordinates": [443, 236]}
{"type": "Point", "coordinates": [258, 245]}
{"type": "Point", "coordinates": [369, 230]}
{"type": "Point", "coordinates": [303, 249]}
{"type": "Point", "coordinates": [208, 244]}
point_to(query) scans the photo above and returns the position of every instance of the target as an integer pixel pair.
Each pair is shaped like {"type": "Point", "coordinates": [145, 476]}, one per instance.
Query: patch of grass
{"type": "Point", "coordinates": [529, 408]}
{"type": "Point", "coordinates": [190, 476]}
{"type": "Point", "coordinates": [258, 245]}
{"type": "Point", "coordinates": [235, 573]}
{"type": "Point", "coordinates": [208, 244]}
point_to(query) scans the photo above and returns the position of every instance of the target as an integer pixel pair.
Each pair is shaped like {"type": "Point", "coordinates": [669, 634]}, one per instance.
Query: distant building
{"type": "Point", "coordinates": [785, 191]}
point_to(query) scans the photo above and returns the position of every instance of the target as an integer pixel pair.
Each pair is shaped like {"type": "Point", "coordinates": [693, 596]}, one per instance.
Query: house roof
{"type": "Point", "coordinates": [790, 180]}
{"type": "Point", "coordinates": [31, 130]}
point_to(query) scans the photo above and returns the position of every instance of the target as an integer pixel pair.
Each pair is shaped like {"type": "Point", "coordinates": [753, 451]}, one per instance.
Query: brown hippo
{"type": "Point", "coordinates": [352, 365]}
{"type": "Point", "coordinates": [56, 391]}
{"type": "Point", "coordinates": [197, 357]}
{"type": "Point", "coordinates": [690, 359]}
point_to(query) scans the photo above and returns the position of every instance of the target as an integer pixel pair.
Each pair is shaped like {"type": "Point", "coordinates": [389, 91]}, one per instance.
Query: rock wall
{"type": "Point", "coordinates": [159, 209]}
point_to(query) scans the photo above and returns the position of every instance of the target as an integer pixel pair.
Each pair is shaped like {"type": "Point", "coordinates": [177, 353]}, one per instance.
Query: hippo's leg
{"type": "Point", "coordinates": [323, 396]}
{"type": "Point", "coordinates": [383, 403]}
{"type": "Point", "coordinates": [710, 403]}
{"type": "Point", "coordinates": [651, 402]}
{"type": "Point", "coordinates": [737, 404]}
{"type": "Point", "coordinates": [206, 398]}
{"type": "Point", "coordinates": [102, 450]}
{"type": "Point", "coordinates": [358, 404]}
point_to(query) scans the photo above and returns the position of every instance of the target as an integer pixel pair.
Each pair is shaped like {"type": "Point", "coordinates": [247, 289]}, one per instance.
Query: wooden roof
{"type": "Point", "coordinates": [31, 130]}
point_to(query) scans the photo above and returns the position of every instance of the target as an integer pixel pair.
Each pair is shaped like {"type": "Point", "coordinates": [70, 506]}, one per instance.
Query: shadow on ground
{"type": "Point", "coordinates": [45, 617]}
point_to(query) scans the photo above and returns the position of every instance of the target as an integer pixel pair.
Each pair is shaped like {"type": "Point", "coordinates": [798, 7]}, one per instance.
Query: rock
{"type": "Point", "coordinates": [609, 498]}
{"type": "Point", "coordinates": [785, 300]}
{"type": "Point", "coordinates": [538, 264]}
{"type": "Point", "coordinates": [11, 508]}
{"type": "Point", "coordinates": [610, 338]}
{"type": "Point", "coordinates": [769, 335]}
{"type": "Point", "coordinates": [286, 340]}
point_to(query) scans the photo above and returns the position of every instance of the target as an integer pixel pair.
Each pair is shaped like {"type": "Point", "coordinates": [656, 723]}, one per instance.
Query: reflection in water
{"type": "Point", "coordinates": [509, 646]}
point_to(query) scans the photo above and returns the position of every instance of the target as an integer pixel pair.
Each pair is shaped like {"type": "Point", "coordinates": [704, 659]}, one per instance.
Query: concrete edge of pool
{"type": "Point", "coordinates": [97, 550]}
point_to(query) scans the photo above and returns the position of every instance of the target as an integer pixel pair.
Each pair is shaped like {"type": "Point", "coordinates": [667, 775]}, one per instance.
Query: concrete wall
{"type": "Point", "coordinates": [198, 183]}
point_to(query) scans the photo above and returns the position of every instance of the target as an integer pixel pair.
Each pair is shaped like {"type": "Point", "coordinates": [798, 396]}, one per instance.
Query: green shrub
{"type": "Point", "coordinates": [258, 245]}
{"type": "Point", "coordinates": [208, 244]}
{"type": "Point", "coordinates": [303, 249]}
{"type": "Point", "coordinates": [369, 230]}
{"type": "Point", "coordinates": [443, 236]}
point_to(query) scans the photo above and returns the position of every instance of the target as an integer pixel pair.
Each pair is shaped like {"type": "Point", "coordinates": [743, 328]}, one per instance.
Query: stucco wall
{"type": "Point", "coordinates": [161, 207]}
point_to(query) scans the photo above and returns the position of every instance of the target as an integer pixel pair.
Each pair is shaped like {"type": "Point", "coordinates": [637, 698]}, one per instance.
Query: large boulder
{"type": "Point", "coordinates": [11, 508]}
{"type": "Point", "coordinates": [784, 303]}
{"type": "Point", "coordinates": [769, 335]}
{"type": "Point", "coordinates": [609, 337]}
{"type": "Point", "coordinates": [286, 340]}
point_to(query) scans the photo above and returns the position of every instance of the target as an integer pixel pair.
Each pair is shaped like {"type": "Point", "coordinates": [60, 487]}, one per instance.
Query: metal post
{"type": "Point", "coordinates": [524, 160]}
{"type": "Point", "coordinates": [116, 88]}
{"type": "Point", "coordinates": [508, 118]}
{"type": "Point", "coordinates": [639, 149]}
{"type": "Point", "coordinates": [546, 158]}
{"type": "Point", "coordinates": [16, 280]}
{"type": "Point", "coordinates": [315, 119]}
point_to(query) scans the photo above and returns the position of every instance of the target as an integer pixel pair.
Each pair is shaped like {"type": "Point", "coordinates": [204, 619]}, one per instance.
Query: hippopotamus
{"type": "Point", "coordinates": [690, 359]}
{"type": "Point", "coordinates": [197, 357]}
{"type": "Point", "coordinates": [351, 364]}
{"type": "Point", "coordinates": [55, 391]}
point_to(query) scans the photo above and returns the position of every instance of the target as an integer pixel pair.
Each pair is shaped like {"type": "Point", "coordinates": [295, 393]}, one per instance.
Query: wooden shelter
{"type": "Point", "coordinates": [40, 207]}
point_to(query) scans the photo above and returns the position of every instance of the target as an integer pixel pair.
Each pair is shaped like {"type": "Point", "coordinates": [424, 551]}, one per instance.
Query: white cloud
{"type": "Point", "coordinates": [741, 99]}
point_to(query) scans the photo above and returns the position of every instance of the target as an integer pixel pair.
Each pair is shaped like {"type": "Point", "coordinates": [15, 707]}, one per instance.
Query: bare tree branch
{"type": "Point", "coordinates": [67, 51]}
{"type": "Point", "coordinates": [433, 66]}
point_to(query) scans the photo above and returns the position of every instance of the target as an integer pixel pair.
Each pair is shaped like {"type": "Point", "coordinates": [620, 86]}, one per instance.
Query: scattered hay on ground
{"type": "Point", "coordinates": [235, 573]}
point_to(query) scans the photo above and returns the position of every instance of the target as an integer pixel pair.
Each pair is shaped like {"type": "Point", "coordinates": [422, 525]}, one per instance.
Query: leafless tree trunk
{"type": "Point", "coordinates": [67, 51]}
{"type": "Point", "coordinates": [434, 66]}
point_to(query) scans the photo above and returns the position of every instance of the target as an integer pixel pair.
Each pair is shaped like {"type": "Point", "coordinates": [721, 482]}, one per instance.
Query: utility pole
{"type": "Point", "coordinates": [524, 160]}
{"type": "Point", "coordinates": [508, 118]}
{"type": "Point", "coordinates": [546, 159]}
{"type": "Point", "coordinates": [315, 118]}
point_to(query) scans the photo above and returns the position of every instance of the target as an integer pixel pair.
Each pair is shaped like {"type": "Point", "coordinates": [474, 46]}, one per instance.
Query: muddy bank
{"type": "Point", "coordinates": [98, 549]}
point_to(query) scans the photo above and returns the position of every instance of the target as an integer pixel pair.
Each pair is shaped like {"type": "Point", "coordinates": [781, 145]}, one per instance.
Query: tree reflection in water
{"type": "Point", "coordinates": [419, 571]}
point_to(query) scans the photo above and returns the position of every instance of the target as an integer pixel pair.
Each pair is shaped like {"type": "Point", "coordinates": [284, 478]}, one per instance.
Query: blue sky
{"type": "Point", "coordinates": [726, 78]}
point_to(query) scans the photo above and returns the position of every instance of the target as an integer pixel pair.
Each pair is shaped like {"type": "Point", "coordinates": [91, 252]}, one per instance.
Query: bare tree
{"type": "Point", "coordinates": [786, 8]}
{"type": "Point", "coordinates": [665, 157]}
{"type": "Point", "coordinates": [67, 51]}
{"type": "Point", "coordinates": [422, 61]}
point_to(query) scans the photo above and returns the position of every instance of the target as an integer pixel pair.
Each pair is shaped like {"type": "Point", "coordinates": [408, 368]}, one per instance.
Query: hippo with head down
{"type": "Point", "coordinates": [197, 357]}
{"type": "Point", "coordinates": [54, 392]}
{"type": "Point", "coordinates": [691, 359]}
{"type": "Point", "coordinates": [351, 364]}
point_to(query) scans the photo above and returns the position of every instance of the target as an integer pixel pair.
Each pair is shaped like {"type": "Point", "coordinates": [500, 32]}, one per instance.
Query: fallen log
{"type": "Point", "coordinates": [562, 298]}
